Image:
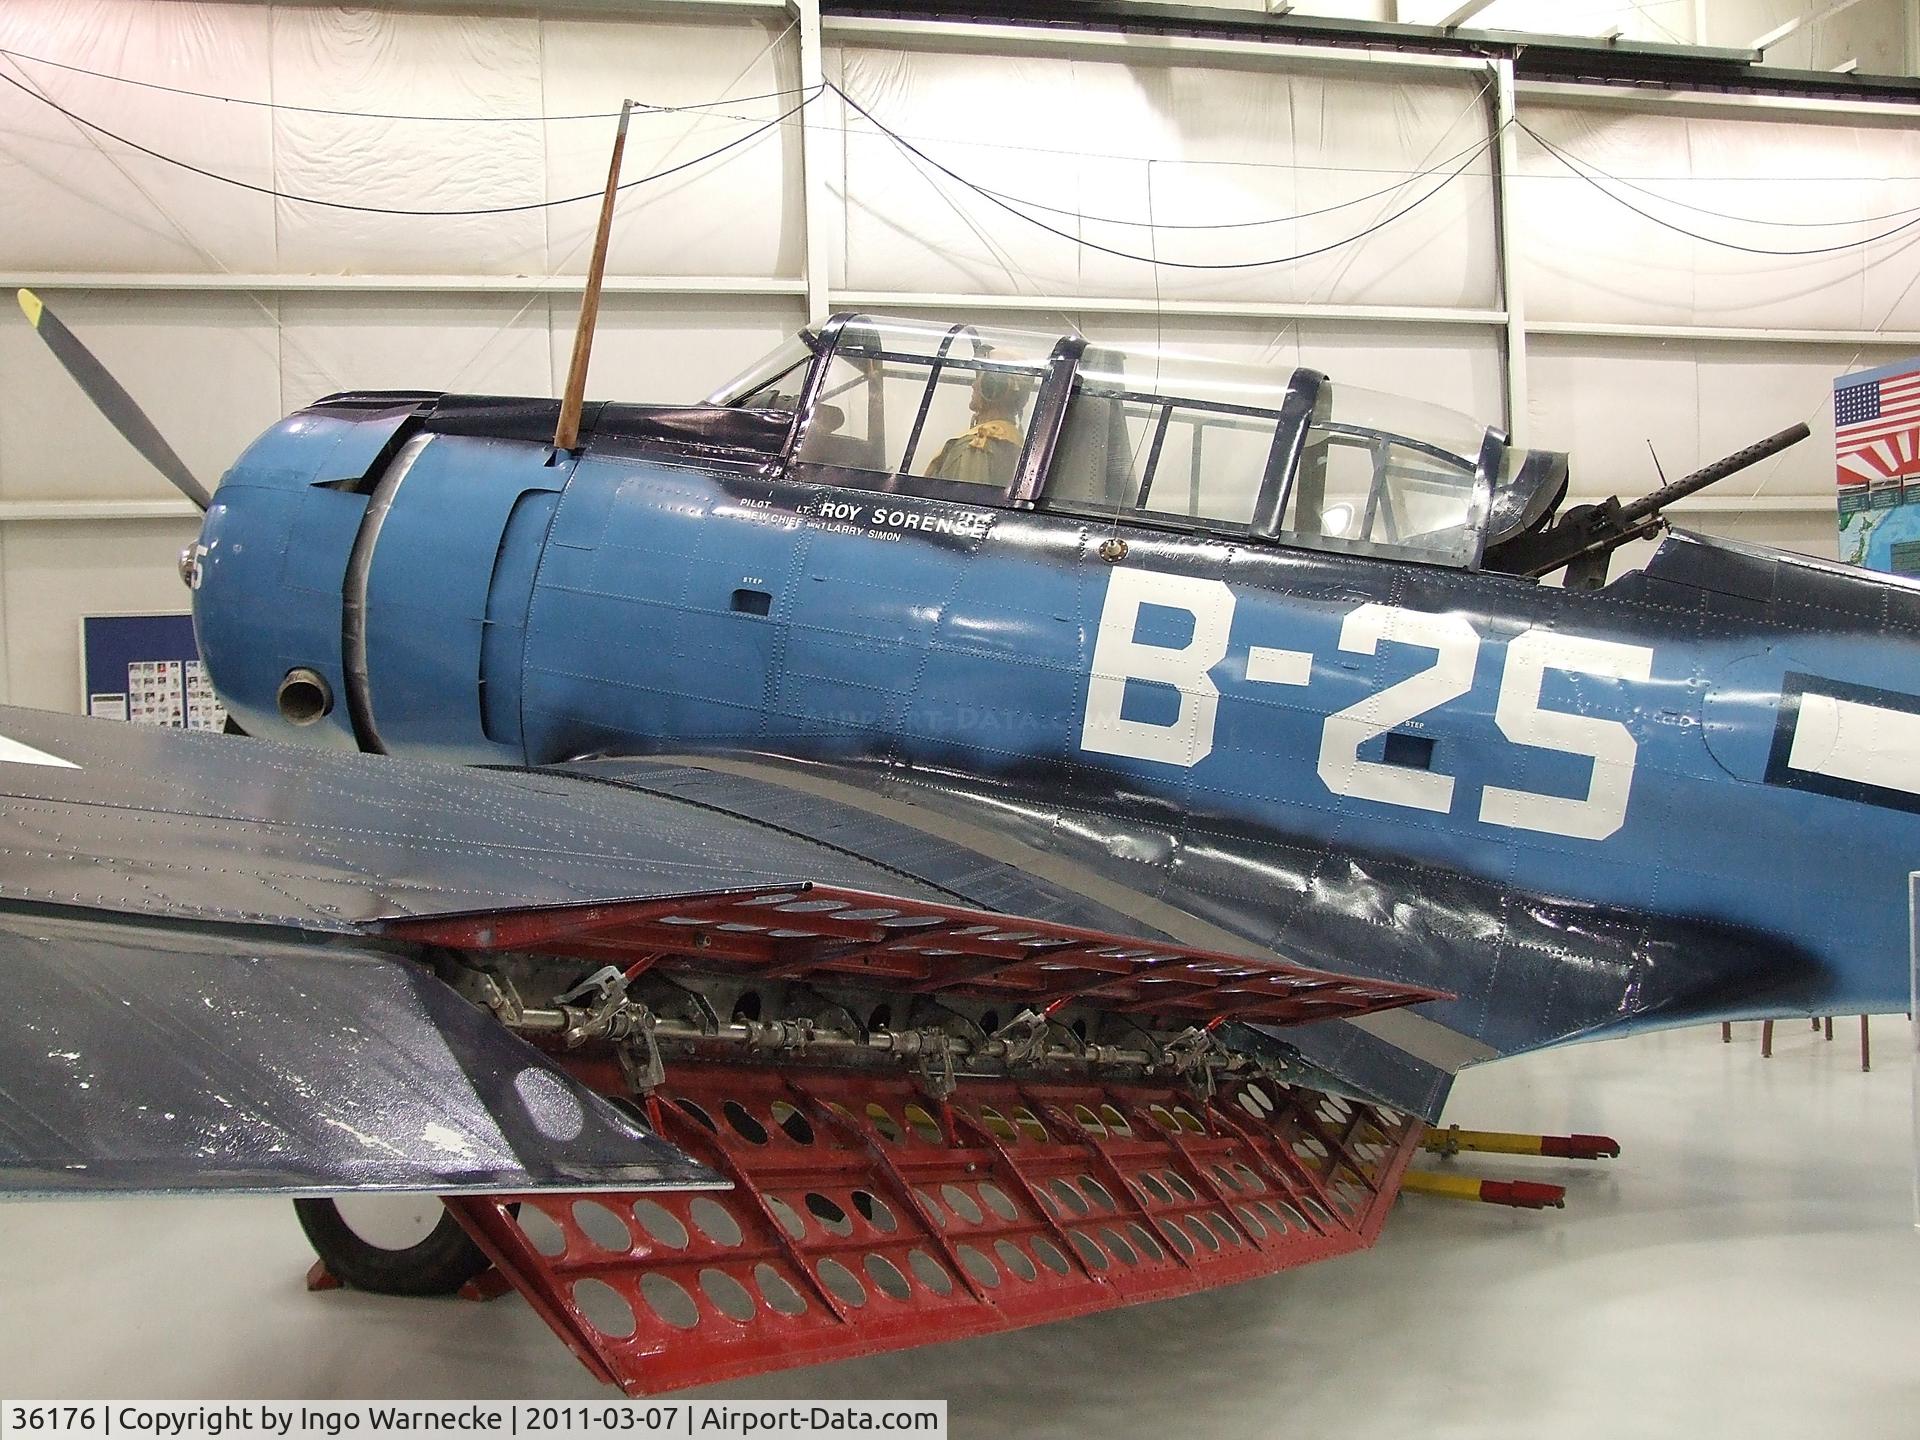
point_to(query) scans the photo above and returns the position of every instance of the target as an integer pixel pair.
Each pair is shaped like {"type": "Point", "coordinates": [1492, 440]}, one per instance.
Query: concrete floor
{"type": "Point", "coordinates": [1749, 1267]}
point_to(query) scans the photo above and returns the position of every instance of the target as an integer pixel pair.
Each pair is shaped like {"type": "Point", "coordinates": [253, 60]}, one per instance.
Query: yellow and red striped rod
{"type": "Point", "coordinates": [1453, 1140]}
{"type": "Point", "coordinates": [1521, 1194]}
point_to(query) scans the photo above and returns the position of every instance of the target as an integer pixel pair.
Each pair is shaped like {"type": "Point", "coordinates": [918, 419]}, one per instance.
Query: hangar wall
{"type": "Point", "coordinates": [1495, 275]}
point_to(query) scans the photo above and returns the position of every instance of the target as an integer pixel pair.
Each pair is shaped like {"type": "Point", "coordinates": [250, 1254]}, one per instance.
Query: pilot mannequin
{"type": "Point", "coordinates": [986, 453]}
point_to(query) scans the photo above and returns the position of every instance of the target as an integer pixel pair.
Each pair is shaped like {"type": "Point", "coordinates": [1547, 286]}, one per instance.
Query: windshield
{"type": "Point", "coordinates": [773, 381]}
{"type": "Point", "coordinates": [944, 404]}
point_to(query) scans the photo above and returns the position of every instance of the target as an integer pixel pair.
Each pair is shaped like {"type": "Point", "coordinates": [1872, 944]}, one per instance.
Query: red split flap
{"type": "Point", "coordinates": [823, 933]}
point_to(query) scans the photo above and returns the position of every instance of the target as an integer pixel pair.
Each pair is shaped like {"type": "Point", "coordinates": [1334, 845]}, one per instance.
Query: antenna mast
{"type": "Point", "coordinates": [566, 434]}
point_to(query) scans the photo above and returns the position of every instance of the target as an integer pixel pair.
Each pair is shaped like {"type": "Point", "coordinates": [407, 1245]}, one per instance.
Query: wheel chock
{"type": "Point", "coordinates": [320, 1278]}
{"type": "Point", "coordinates": [489, 1284]}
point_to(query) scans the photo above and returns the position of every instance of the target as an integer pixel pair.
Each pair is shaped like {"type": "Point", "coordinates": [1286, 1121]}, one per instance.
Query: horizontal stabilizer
{"type": "Point", "coordinates": [137, 1057]}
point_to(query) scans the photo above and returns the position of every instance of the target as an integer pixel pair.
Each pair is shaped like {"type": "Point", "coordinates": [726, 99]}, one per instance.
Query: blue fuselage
{"type": "Point", "coordinates": [1690, 794]}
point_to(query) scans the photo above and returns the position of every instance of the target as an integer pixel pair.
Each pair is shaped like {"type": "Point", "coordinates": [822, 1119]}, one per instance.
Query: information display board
{"type": "Point", "coordinates": [146, 668]}
{"type": "Point", "coordinates": [1876, 461]}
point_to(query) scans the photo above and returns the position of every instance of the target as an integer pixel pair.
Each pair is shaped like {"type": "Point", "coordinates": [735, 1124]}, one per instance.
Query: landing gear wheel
{"type": "Point", "coordinates": [391, 1244]}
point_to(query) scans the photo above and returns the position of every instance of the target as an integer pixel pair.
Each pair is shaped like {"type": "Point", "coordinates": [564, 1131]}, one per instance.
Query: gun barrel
{"type": "Point", "coordinates": [1719, 470]}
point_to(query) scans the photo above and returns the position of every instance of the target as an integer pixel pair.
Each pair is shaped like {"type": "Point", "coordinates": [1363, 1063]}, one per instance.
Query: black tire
{"type": "Point", "coordinates": [437, 1265]}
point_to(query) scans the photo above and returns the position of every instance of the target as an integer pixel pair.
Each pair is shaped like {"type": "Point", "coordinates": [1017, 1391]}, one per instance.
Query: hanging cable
{"type": "Point", "coordinates": [1381, 224]}
{"type": "Point", "coordinates": [1580, 169]}
{"type": "Point", "coordinates": [383, 115]}
{"type": "Point", "coordinates": [396, 210]}
{"type": "Point", "coordinates": [1554, 151]}
{"type": "Point", "coordinates": [271, 312]}
{"type": "Point", "coordinates": [1471, 152]}
{"type": "Point", "coordinates": [781, 119]}
{"type": "Point", "coordinates": [710, 106]}
{"type": "Point", "coordinates": [705, 107]}
{"type": "Point", "coordinates": [1739, 219]}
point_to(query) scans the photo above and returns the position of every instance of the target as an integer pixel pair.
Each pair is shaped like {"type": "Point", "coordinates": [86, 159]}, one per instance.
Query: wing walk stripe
{"type": "Point", "coordinates": [14, 753]}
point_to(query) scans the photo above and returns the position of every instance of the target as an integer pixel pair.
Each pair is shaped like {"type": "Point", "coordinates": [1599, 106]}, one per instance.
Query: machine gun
{"type": "Point", "coordinates": [1584, 537]}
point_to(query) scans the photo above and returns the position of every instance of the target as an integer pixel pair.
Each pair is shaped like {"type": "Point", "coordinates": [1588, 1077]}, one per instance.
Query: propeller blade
{"type": "Point", "coordinates": [113, 400]}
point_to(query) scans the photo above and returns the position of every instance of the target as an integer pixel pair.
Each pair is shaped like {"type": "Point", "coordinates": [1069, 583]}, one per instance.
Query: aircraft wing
{"type": "Point", "coordinates": [196, 999]}
{"type": "Point", "coordinates": [141, 1057]}
{"type": "Point", "coordinates": [211, 945]}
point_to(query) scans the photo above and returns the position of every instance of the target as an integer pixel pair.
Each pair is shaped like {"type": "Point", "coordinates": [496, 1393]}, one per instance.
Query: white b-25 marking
{"type": "Point", "coordinates": [1187, 739]}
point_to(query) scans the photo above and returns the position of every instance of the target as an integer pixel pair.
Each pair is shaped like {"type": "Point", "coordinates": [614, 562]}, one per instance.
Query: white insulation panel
{"type": "Point", "coordinates": [1606, 400]}
{"type": "Point", "coordinates": [1080, 155]}
{"type": "Point", "coordinates": [77, 200]}
{"type": "Point", "coordinates": [1707, 184]}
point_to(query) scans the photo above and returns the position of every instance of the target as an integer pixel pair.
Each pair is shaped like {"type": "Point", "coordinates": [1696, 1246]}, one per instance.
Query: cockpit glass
{"type": "Point", "coordinates": [1435, 428]}
{"type": "Point", "coordinates": [773, 381]}
{"type": "Point", "coordinates": [947, 410]}
{"type": "Point", "coordinates": [1169, 434]}
{"type": "Point", "coordinates": [1386, 474]}
{"type": "Point", "coordinates": [1176, 437]}
{"type": "Point", "coordinates": [937, 409]}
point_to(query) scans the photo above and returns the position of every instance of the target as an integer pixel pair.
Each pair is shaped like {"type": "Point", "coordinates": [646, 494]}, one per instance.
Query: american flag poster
{"type": "Point", "coordinates": [1876, 457]}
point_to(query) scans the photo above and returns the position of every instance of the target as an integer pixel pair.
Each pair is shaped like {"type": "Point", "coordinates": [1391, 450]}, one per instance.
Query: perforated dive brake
{"type": "Point", "coordinates": [894, 1187]}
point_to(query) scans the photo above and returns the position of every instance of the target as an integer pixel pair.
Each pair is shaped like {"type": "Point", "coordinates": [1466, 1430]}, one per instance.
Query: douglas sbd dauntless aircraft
{"type": "Point", "coordinates": [961, 829]}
